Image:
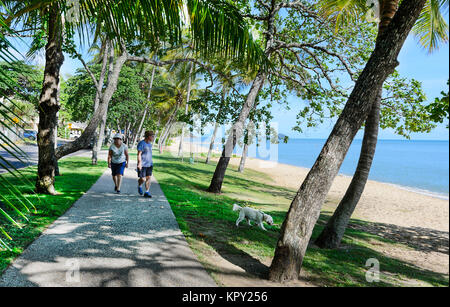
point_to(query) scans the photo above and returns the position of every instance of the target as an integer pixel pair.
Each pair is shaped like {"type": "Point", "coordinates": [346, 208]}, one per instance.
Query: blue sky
{"type": "Point", "coordinates": [415, 62]}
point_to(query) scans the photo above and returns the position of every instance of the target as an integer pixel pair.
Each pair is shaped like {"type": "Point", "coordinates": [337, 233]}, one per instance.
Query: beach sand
{"type": "Point", "coordinates": [411, 218]}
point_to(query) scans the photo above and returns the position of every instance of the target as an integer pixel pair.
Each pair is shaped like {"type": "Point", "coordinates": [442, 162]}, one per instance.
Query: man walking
{"type": "Point", "coordinates": [145, 162]}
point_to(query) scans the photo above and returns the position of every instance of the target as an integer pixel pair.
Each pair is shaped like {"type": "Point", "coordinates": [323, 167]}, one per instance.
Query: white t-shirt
{"type": "Point", "coordinates": [118, 154]}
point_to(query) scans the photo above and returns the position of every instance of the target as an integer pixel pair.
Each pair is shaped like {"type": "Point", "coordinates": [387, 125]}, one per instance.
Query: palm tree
{"type": "Point", "coordinates": [176, 91]}
{"type": "Point", "coordinates": [216, 27]}
{"type": "Point", "coordinates": [15, 199]}
{"type": "Point", "coordinates": [305, 208]}
{"type": "Point", "coordinates": [432, 29]}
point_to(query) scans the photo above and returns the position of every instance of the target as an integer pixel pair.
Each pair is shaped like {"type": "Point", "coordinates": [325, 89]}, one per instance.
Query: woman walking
{"type": "Point", "coordinates": [118, 160]}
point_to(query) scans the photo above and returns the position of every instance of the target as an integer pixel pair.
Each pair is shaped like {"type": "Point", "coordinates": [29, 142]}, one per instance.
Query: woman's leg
{"type": "Point", "coordinates": [119, 181]}
{"type": "Point", "coordinates": [114, 179]}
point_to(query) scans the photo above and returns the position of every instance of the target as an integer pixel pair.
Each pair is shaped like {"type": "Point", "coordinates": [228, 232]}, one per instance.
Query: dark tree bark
{"type": "Point", "coordinates": [238, 127]}
{"type": "Point", "coordinates": [48, 104]}
{"type": "Point", "coordinates": [305, 208]}
{"type": "Point", "coordinates": [236, 132]}
{"type": "Point", "coordinates": [332, 234]}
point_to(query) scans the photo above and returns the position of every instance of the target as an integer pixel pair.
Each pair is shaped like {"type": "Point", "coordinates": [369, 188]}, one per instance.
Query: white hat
{"type": "Point", "coordinates": [118, 136]}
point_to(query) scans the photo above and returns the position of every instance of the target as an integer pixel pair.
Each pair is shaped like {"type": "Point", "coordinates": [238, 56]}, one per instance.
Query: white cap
{"type": "Point", "coordinates": [118, 136]}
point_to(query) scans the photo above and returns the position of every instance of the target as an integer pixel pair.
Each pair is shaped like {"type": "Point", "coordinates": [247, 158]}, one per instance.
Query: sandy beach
{"type": "Point", "coordinates": [410, 218]}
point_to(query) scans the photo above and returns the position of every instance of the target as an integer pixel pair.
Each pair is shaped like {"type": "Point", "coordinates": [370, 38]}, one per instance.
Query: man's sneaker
{"type": "Point", "coordinates": [140, 191]}
{"type": "Point", "coordinates": [115, 189]}
{"type": "Point", "coordinates": [147, 194]}
{"type": "Point", "coordinates": [118, 191]}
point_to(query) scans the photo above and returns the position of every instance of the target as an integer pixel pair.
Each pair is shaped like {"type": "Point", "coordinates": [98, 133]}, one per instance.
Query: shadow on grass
{"type": "Point", "coordinates": [209, 218]}
{"type": "Point", "coordinates": [199, 174]}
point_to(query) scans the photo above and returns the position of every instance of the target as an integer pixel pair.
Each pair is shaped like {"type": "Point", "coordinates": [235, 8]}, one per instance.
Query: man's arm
{"type": "Point", "coordinates": [139, 159]}
{"type": "Point", "coordinates": [127, 157]}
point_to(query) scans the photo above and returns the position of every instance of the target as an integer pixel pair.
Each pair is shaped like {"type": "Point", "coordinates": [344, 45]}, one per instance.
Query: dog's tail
{"type": "Point", "coordinates": [236, 207]}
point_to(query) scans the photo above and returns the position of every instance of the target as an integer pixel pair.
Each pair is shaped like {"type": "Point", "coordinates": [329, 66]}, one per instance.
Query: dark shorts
{"type": "Point", "coordinates": [145, 172]}
{"type": "Point", "coordinates": [117, 168]}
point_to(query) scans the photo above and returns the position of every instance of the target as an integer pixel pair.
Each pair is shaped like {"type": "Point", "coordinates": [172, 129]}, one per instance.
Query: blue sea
{"type": "Point", "coordinates": [422, 166]}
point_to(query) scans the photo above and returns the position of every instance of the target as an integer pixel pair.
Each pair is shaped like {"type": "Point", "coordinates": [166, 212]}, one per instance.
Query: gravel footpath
{"type": "Point", "coordinates": [106, 239]}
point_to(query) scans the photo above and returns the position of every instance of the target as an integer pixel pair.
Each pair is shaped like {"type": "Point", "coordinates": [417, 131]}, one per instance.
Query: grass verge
{"type": "Point", "coordinates": [207, 222]}
{"type": "Point", "coordinates": [78, 175]}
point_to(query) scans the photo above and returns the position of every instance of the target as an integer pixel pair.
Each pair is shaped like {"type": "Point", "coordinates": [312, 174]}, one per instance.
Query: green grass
{"type": "Point", "coordinates": [78, 175]}
{"type": "Point", "coordinates": [207, 221]}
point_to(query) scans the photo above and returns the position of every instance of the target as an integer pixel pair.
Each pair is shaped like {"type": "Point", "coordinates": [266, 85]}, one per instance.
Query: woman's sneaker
{"type": "Point", "coordinates": [147, 194]}
{"type": "Point", "coordinates": [140, 190]}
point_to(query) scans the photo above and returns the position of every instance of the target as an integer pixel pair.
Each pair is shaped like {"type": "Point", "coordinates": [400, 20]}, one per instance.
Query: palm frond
{"type": "Point", "coordinates": [431, 29]}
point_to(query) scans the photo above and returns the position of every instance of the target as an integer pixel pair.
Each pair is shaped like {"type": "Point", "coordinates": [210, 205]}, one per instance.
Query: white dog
{"type": "Point", "coordinates": [251, 214]}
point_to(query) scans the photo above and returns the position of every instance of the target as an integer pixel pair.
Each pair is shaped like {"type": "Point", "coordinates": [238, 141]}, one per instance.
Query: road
{"type": "Point", "coordinates": [31, 152]}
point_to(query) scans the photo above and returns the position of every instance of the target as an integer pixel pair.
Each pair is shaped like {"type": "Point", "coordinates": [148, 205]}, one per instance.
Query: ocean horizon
{"type": "Point", "coordinates": [417, 165]}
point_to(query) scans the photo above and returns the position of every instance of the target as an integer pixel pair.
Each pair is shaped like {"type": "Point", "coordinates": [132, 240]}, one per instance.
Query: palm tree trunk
{"type": "Point", "coordinates": [305, 207]}
{"type": "Point", "coordinates": [332, 234]}
{"type": "Point", "coordinates": [188, 97]}
{"type": "Point", "coordinates": [169, 124]}
{"type": "Point", "coordinates": [211, 144]}
{"type": "Point", "coordinates": [216, 125]}
{"type": "Point", "coordinates": [99, 116]}
{"type": "Point", "coordinates": [98, 139]}
{"type": "Point", "coordinates": [238, 127]}
{"type": "Point", "coordinates": [141, 124]}
{"type": "Point", "coordinates": [236, 132]}
{"type": "Point", "coordinates": [48, 104]}
{"type": "Point", "coordinates": [243, 158]}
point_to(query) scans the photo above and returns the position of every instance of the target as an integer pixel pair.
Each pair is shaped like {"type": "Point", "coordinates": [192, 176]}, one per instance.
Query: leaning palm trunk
{"type": "Point", "coordinates": [238, 127]}
{"type": "Point", "coordinates": [332, 234]}
{"type": "Point", "coordinates": [188, 96]}
{"type": "Point", "coordinates": [216, 126]}
{"type": "Point", "coordinates": [101, 134]}
{"type": "Point", "coordinates": [106, 55]}
{"type": "Point", "coordinates": [141, 124]}
{"type": "Point", "coordinates": [211, 144]}
{"type": "Point", "coordinates": [48, 104]}
{"type": "Point", "coordinates": [243, 159]}
{"type": "Point", "coordinates": [305, 208]}
{"type": "Point", "coordinates": [169, 124]}
{"type": "Point", "coordinates": [236, 132]}
{"type": "Point", "coordinates": [102, 109]}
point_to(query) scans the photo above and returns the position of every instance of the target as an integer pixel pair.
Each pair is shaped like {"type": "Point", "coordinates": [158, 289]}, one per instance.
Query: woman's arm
{"type": "Point", "coordinates": [109, 158]}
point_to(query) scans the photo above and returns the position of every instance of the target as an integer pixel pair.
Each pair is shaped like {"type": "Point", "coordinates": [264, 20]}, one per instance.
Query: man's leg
{"type": "Point", "coordinates": [140, 182]}
{"type": "Point", "coordinates": [148, 181]}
